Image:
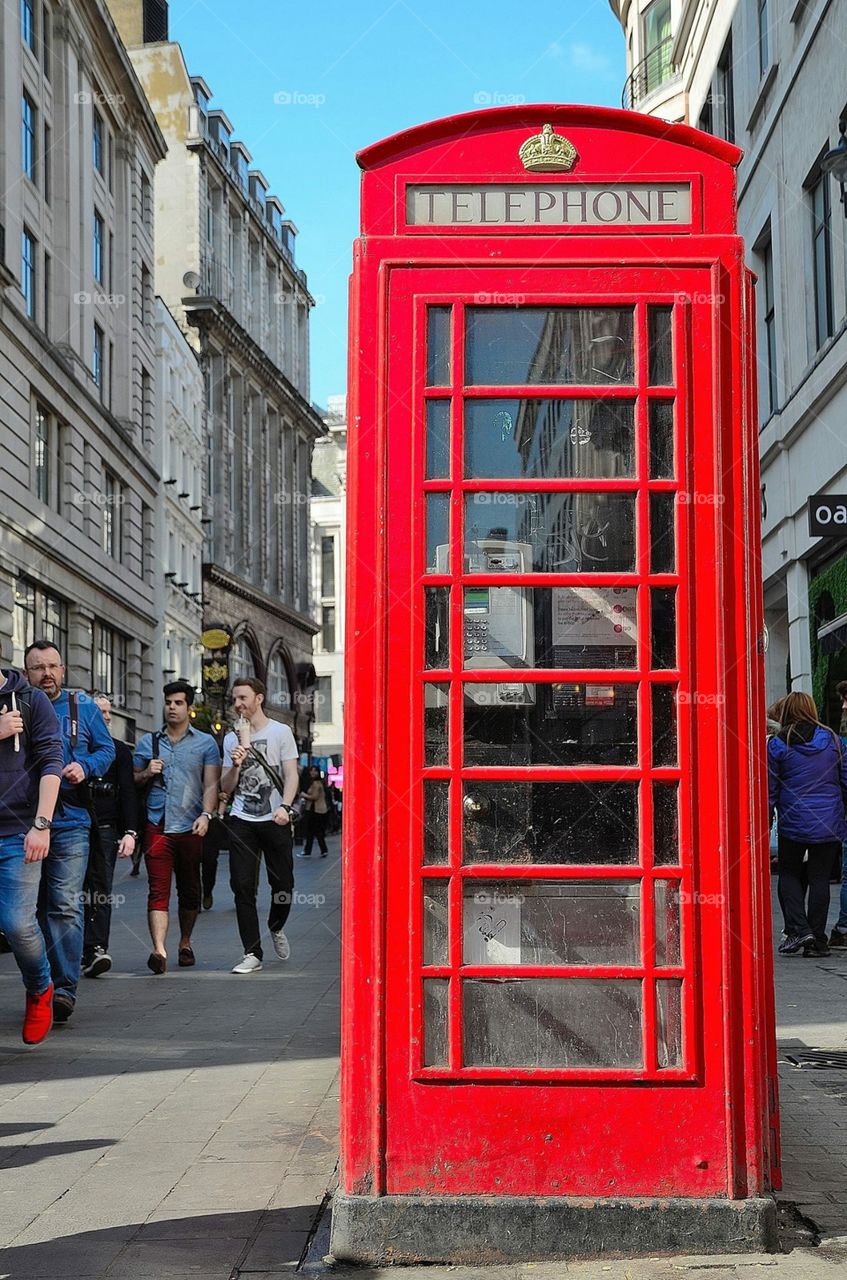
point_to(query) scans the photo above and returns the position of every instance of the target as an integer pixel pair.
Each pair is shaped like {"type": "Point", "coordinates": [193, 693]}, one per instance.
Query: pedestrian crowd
{"type": "Point", "coordinates": [74, 800]}
{"type": "Point", "coordinates": [807, 793]}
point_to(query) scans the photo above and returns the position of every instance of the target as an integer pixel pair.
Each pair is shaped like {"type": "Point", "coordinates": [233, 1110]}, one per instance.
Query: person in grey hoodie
{"type": "Point", "coordinates": [30, 773]}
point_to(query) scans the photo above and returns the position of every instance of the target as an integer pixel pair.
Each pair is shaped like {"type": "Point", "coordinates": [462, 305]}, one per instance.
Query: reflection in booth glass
{"type": "Point", "coordinates": [435, 724]}
{"type": "Point", "coordinates": [565, 346]}
{"type": "Point", "coordinates": [562, 823]}
{"type": "Point", "coordinates": [550, 724]}
{"type": "Point", "coordinates": [549, 532]}
{"type": "Point", "coordinates": [438, 346]}
{"type": "Point", "coordinates": [549, 439]}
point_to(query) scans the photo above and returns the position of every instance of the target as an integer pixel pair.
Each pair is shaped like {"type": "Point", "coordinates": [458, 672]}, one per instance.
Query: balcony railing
{"type": "Point", "coordinates": [648, 75]}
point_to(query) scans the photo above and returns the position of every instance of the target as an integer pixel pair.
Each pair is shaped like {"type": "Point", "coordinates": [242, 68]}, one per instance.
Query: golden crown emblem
{"type": "Point", "coordinates": [547, 152]}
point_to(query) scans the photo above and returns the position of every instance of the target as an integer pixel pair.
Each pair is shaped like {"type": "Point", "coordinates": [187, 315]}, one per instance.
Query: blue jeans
{"type": "Point", "coordinates": [61, 906]}
{"type": "Point", "coordinates": [841, 926]}
{"type": "Point", "coordinates": [18, 896]}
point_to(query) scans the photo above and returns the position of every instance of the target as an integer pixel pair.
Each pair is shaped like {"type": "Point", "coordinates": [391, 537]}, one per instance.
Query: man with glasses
{"type": "Point", "coordinates": [180, 767]}
{"type": "Point", "coordinates": [88, 752]}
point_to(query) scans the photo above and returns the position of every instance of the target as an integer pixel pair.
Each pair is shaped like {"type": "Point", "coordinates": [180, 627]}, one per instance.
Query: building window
{"type": "Point", "coordinates": [28, 126]}
{"type": "Point", "coordinates": [821, 257]}
{"type": "Point", "coordinates": [767, 302]}
{"type": "Point", "coordinates": [97, 140]}
{"type": "Point", "coordinates": [706, 119]}
{"type": "Point", "coordinates": [47, 161]}
{"type": "Point", "coordinates": [241, 659]}
{"type": "Point", "coordinates": [28, 23]}
{"type": "Point", "coordinates": [726, 91]}
{"type": "Point", "coordinates": [112, 503]}
{"type": "Point", "coordinates": [45, 40]}
{"type": "Point", "coordinates": [46, 275]}
{"type": "Point", "coordinates": [328, 628]}
{"type": "Point", "coordinates": [763, 36]}
{"type": "Point", "coordinates": [47, 458]}
{"type": "Point", "coordinates": [97, 248]}
{"type": "Point", "coordinates": [97, 359]}
{"type": "Point", "coordinates": [322, 700]}
{"type": "Point", "coordinates": [278, 690]}
{"type": "Point", "coordinates": [37, 615]}
{"type": "Point", "coordinates": [146, 201]}
{"type": "Point", "coordinates": [146, 295]}
{"type": "Point", "coordinates": [656, 44]}
{"type": "Point", "coordinates": [110, 663]}
{"type": "Point", "coordinates": [328, 567]}
{"type": "Point", "coordinates": [28, 250]}
{"type": "Point", "coordinates": [146, 405]}
{"type": "Point", "coordinates": [147, 538]}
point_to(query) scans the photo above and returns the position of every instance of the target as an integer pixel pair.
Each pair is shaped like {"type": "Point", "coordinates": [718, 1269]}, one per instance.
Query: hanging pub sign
{"type": "Point", "coordinates": [216, 641]}
{"type": "Point", "coordinates": [828, 515]}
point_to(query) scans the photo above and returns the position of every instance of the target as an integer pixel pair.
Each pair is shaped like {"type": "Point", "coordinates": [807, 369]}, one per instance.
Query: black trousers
{"type": "Point", "coordinates": [314, 828]}
{"type": "Point", "coordinates": [247, 842]}
{"type": "Point", "coordinates": [795, 876]}
{"type": "Point", "coordinates": [99, 897]}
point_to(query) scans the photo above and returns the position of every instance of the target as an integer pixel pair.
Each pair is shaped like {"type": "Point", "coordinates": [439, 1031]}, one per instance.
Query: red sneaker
{"type": "Point", "coordinates": [38, 1018]}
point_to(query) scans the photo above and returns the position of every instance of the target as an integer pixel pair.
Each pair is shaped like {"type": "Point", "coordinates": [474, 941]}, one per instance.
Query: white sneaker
{"type": "Point", "coordinates": [281, 944]}
{"type": "Point", "coordinates": [250, 964]}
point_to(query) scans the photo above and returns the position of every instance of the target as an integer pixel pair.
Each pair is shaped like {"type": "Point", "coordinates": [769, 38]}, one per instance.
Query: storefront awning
{"type": "Point", "coordinates": [832, 636]}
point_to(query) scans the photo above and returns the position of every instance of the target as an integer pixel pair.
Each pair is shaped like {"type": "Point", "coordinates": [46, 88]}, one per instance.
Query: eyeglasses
{"type": "Point", "coordinates": [41, 668]}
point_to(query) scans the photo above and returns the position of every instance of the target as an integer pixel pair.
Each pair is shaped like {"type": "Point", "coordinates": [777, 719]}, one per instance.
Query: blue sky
{"type": "Point", "coordinates": [307, 85]}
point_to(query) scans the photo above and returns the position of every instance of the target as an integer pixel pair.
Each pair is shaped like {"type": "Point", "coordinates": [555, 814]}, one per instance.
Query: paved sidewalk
{"type": "Point", "coordinates": [186, 1126]}
{"type": "Point", "coordinates": [178, 1126]}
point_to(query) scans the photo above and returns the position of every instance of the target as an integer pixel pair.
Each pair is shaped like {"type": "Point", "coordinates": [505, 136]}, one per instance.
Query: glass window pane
{"type": "Point", "coordinates": [548, 439]}
{"type": "Point", "coordinates": [660, 338]}
{"type": "Point", "coordinates": [664, 725]}
{"type": "Point", "coordinates": [550, 532]}
{"type": "Point", "coordinates": [666, 824]}
{"type": "Point", "coordinates": [436, 818]}
{"type": "Point", "coordinates": [661, 414]}
{"type": "Point", "coordinates": [435, 919]}
{"type": "Point", "coordinates": [435, 724]}
{"type": "Point", "coordinates": [544, 922]}
{"type": "Point", "coordinates": [557, 724]}
{"type": "Point", "coordinates": [437, 532]}
{"type": "Point", "coordinates": [549, 345]}
{"type": "Point", "coordinates": [437, 627]}
{"type": "Point", "coordinates": [438, 346]}
{"type": "Point", "coordinates": [435, 1005]}
{"type": "Point", "coordinates": [552, 1022]}
{"type": "Point", "coordinates": [669, 1022]}
{"type": "Point", "coordinates": [662, 532]}
{"type": "Point", "coordinates": [550, 627]}
{"type": "Point", "coordinates": [667, 923]}
{"type": "Point", "coordinates": [566, 823]}
{"type": "Point", "coordinates": [663, 627]}
{"type": "Point", "coordinates": [437, 439]}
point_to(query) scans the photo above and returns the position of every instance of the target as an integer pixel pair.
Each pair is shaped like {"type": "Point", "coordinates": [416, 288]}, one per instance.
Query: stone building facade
{"type": "Point", "coordinates": [78, 150]}
{"type": "Point", "coordinates": [329, 551]}
{"type": "Point", "coordinates": [769, 76]}
{"type": "Point", "coordinates": [225, 268]}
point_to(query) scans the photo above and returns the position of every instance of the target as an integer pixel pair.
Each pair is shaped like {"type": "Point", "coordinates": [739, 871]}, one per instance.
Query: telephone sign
{"type": "Point", "coordinates": [828, 516]}
{"type": "Point", "coordinates": [558, 1021]}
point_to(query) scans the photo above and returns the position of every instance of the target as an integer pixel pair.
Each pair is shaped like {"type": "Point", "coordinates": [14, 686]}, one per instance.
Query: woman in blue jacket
{"type": "Point", "coordinates": [807, 786]}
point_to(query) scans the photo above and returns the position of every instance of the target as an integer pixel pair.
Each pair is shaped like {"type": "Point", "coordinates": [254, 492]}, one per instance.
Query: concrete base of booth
{"type": "Point", "coordinates": [489, 1229]}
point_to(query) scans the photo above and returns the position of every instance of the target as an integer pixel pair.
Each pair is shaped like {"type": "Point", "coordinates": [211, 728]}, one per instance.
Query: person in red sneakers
{"type": "Point", "coordinates": [31, 763]}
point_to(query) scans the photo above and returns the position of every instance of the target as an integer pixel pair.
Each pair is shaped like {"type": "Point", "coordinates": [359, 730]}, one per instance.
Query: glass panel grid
{"type": "Point", "coordinates": [660, 1050]}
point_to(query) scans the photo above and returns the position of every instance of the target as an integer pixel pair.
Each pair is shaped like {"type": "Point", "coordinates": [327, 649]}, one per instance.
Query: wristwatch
{"type": "Point", "coordinates": [289, 808]}
{"type": "Point", "coordinates": [42, 824]}
{"type": "Point", "coordinates": [207, 815]}
{"type": "Point", "coordinates": [134, 834]}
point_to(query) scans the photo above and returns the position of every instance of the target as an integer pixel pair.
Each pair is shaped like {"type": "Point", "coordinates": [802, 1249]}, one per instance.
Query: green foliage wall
{"type": "Point", "coordinates": [833, 580]}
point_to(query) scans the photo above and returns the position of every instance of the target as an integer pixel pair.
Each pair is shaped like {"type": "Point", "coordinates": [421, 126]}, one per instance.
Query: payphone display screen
{"type": "Point", "coordinates": [549, 570]}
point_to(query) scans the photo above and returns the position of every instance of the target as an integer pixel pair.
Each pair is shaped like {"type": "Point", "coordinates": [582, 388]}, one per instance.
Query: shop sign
{"type": "Point", "coordinates": [828, 516]}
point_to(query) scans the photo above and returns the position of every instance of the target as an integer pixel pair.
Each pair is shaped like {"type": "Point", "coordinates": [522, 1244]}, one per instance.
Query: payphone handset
{"type": "Point", "coordinates": [498, 621]}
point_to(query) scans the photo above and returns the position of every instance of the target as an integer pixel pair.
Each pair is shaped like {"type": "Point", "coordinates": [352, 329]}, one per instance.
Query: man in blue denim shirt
{"type": "Point", "coordinates": [88, 751]}
{"type": "Point", "coordinates": [181, 767]}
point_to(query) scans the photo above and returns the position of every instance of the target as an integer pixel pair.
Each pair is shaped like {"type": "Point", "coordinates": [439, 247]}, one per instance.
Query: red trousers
{"type": "Point", "coordinates": [177, 853]}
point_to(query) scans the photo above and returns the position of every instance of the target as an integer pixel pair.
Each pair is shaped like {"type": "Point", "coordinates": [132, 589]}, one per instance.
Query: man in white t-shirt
{"type": "Point", "coordinates": [263, 779]}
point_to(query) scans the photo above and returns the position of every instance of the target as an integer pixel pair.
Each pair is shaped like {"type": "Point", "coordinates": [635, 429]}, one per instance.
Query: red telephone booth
{"type": "Point", "coordinates": [558, 1022]}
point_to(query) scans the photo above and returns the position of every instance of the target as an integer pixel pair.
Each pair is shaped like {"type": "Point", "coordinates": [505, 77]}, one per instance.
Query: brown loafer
{"type": "Point", "coordinates": [156, 963]}
{"type": "Point", "coordinates": [186, 958]}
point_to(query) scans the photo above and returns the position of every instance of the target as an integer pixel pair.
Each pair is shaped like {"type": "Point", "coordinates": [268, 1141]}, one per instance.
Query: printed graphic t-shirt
{"type": "Point", "coordinates": [257, 797]}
